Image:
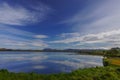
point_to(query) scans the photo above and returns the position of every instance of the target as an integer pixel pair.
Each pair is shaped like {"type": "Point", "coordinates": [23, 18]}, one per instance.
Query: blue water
{"type": "Point", "coordinates": [47, 62]}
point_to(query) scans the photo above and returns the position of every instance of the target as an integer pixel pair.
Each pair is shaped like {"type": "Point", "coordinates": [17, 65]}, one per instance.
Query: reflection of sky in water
{"type": "Point", "coordinates": [46, 62]}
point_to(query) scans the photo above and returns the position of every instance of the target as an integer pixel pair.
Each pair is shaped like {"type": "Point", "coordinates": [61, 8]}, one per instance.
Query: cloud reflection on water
{"type": "Point", "coordinates": [45, 62]}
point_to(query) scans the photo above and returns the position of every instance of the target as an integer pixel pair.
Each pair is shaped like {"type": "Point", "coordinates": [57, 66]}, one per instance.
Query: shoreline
{"type": "Point", "coordinates": [100, 73]}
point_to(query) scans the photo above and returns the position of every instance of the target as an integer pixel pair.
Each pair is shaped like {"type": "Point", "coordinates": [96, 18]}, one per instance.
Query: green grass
{"type": "Point", "coordinates": [98, 73]}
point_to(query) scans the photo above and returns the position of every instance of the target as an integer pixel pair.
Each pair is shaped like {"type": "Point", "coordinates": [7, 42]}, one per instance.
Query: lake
{"type": "Point", "coordinates": [47, 62]}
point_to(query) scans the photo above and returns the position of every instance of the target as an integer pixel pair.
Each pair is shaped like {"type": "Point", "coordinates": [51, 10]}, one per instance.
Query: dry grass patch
{"type": "Point", "coordinates": [114, 61]}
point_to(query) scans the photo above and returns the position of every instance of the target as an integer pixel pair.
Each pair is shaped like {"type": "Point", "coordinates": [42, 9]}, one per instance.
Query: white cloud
{"type": "Point", "coordinates": [110, 38]}
{"type": "Point", "coordinates": [20, 39]}
{"type": "Point", "coordinates": [71, 64]}
{"type": "Point", "coordinates": [40, 36]}
{"type": "Point", "coordinates": [39, 67]}
{"type": "Point", "coordinates": [77, 65]}
{"type": "Point", "coordinates": [19, 15]}
{"type": "Point", "coordinates": [99, 24]}
{"type": "Point", "coordinates": [23, 43]}
{"type": "Point", "coordinates": [39, 43]}
{"type": "Point", "coordinates": [38, 58]}
{"type": "Point", "coordinates": [34, 58]}
{"type": "Point", "coordinates": [96, 17]}
{"type": "Point", "coordinates": [64, 35]}
{"type": "Point", "coordinates": [14, 31]}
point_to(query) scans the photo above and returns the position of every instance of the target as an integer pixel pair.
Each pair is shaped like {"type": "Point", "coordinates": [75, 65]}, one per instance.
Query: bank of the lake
{"type": "Point", "coordinates": [98, 73]}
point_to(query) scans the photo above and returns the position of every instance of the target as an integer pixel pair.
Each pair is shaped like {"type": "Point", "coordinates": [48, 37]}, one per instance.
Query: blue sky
{"type": "Point", "coordinates": [60, 24]}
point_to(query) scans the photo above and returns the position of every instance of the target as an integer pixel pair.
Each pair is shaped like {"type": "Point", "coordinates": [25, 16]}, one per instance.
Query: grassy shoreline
{"type": "Point", "coordinates": [98, 73]}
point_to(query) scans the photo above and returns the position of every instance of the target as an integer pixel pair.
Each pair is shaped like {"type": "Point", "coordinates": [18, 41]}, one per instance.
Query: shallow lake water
{"type": "Point", "coordinates": [47, 62]}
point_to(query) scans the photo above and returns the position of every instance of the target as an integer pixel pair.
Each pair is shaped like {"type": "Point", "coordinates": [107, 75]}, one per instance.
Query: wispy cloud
{"type": "Point", "coordinates": [78, 64]}
{"type": "Point", "coordinates": [40, 36]}
{"type": "Point", "coordinates": [22, 44]}
{"type": "Point", "coordinates": [24, 57]}
{"type": "Point", "coordinates": [102, 16]}
{"type": "Point", "coordinates": [73, 34]}
{"type": "Point", "coordinates": [110, 38]}
{"type": "Point", "coordinates": [99, 24]}
{"type": "Point", "coordinates": [19, 15]}
{"type": "Point", "coordinates": [39, 43]}
{"type": "Point", "coordinates": [15, 38]}
{"type": "Point", "coordinates": [39, 67]}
